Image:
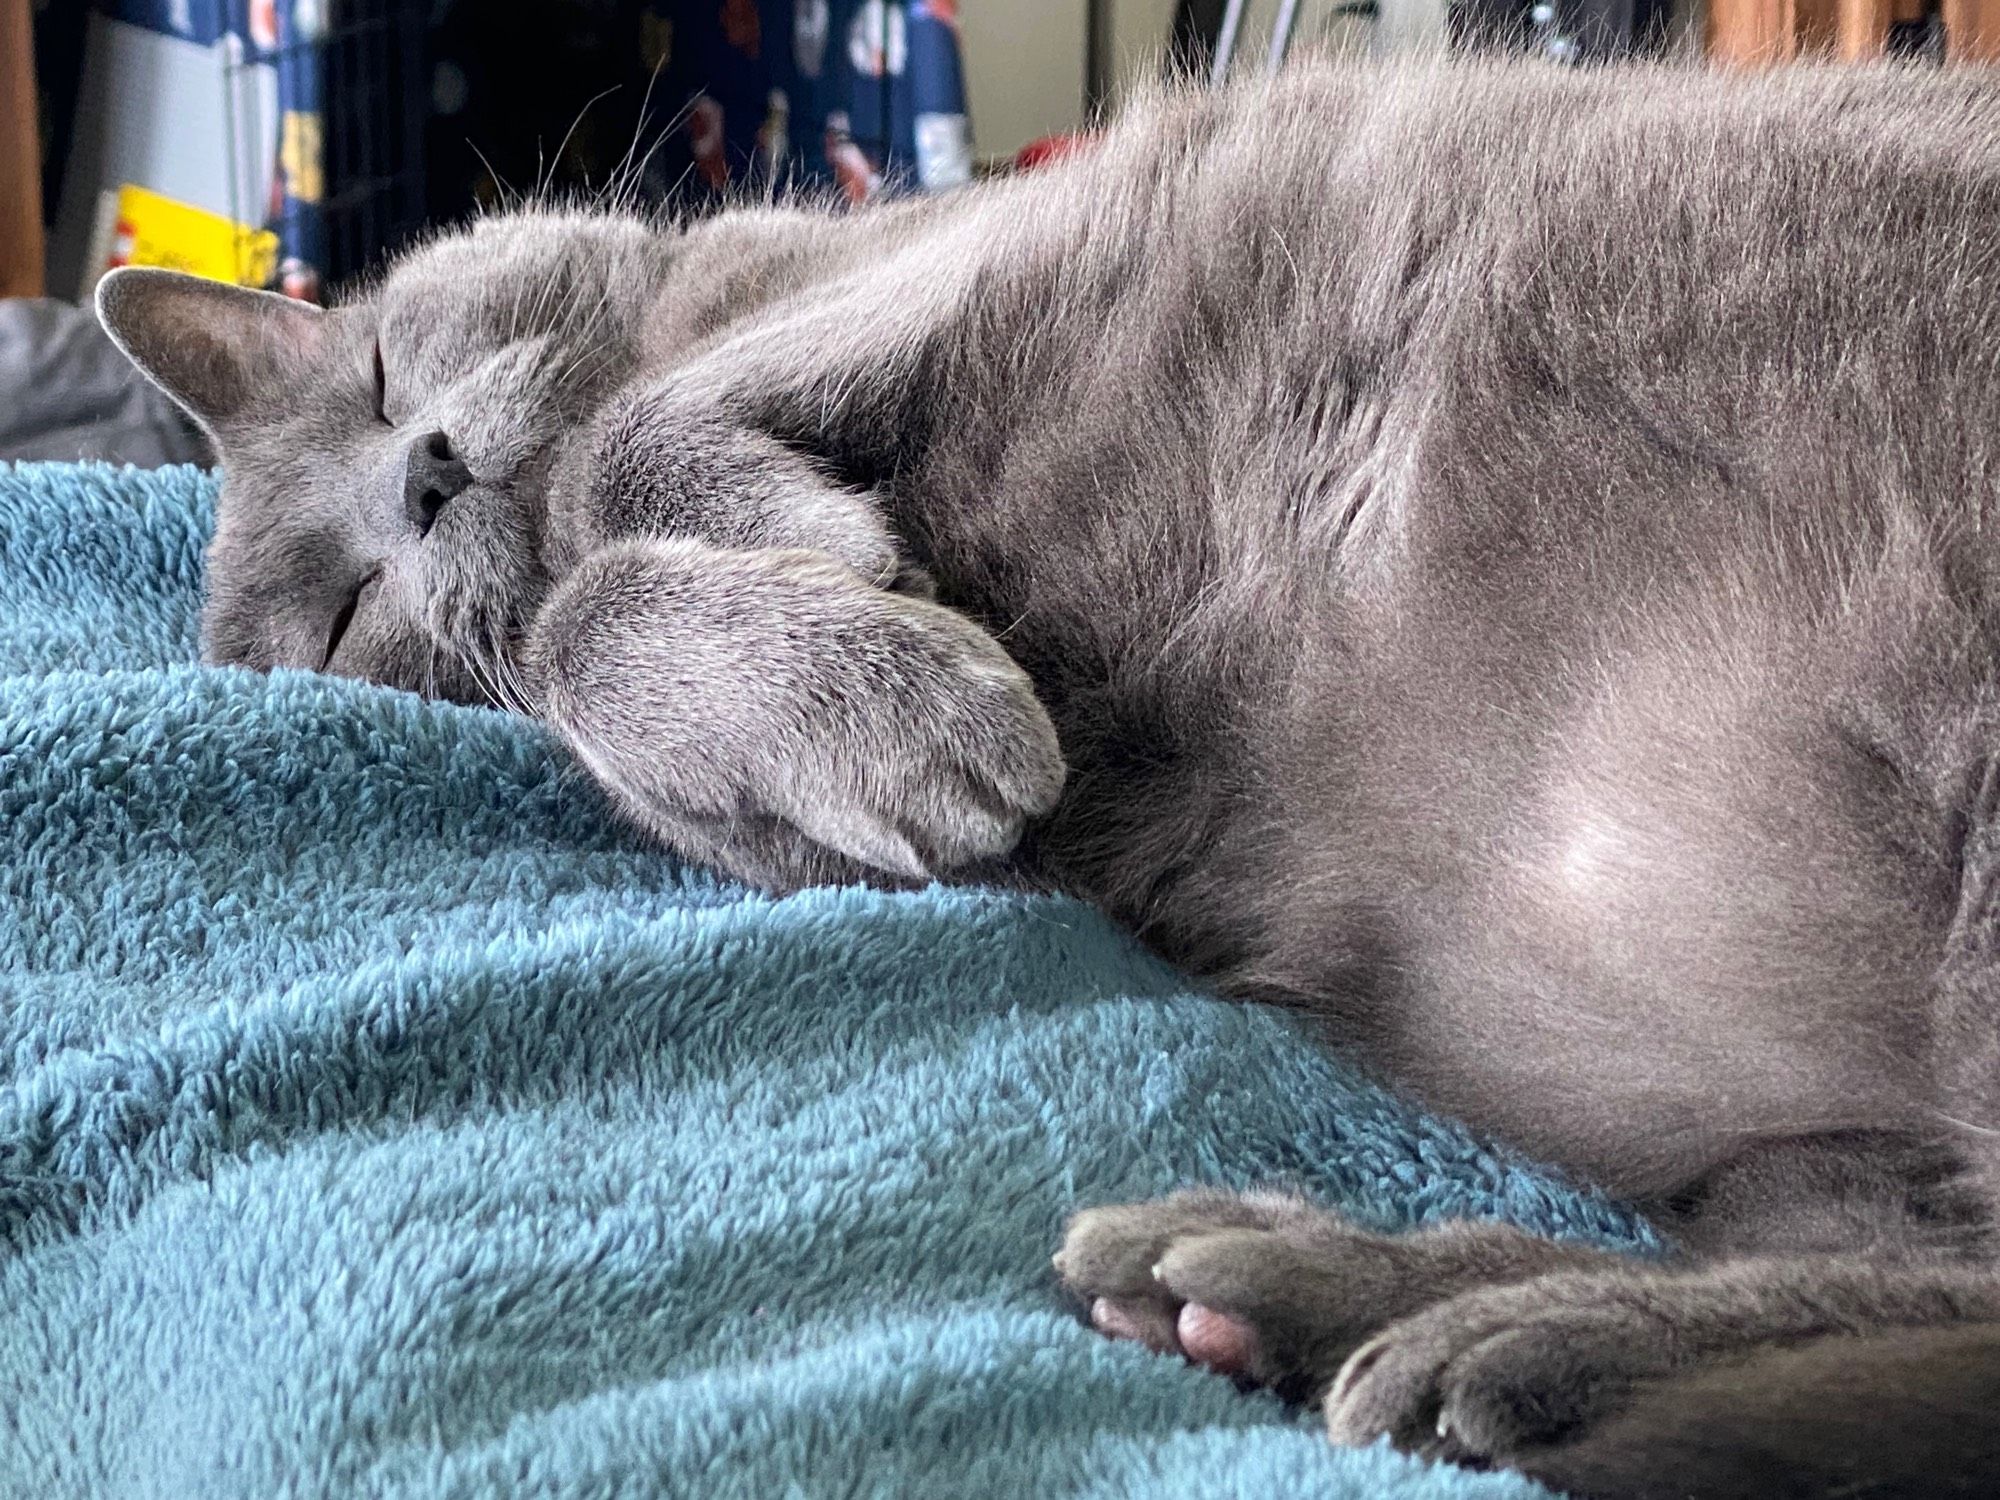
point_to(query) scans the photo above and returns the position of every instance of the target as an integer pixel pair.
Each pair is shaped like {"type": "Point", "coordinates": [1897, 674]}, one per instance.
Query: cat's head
{"type": "Point", "coordinates": [386, 462]}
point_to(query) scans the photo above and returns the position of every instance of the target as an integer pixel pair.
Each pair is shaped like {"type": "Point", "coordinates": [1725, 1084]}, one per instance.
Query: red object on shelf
{"type": "Point", "coordinates": [1049, 148]}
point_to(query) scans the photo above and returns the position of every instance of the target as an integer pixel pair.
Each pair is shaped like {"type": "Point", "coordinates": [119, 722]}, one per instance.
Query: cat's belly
{"type": "Point", "coordinates": [1637, 982]}
{"type": "Point", "coordinates": [1661, 923]}
{"type": "Point", "coordinates": [1641, 1093]}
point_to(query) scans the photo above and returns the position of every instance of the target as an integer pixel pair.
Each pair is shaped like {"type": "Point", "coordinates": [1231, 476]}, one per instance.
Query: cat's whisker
{"type": "Point", "coordinates": [466, 646]}
{"type": "Point", "coordinates": [546, 316]}
{"type": "Point", "coordinates": [509, 199]}
{"type": "Point", "coordinates": [1012, 626]}
{"type": "Point", "coordinates": [495, 671]}
{"type": "Point", "coordinates": [835, 397]}
{"type": "Point", "coordinates": [514, 315]}
{"type": "Point", "coordinates": [572, 288]}
{"type": "Point", "coordinates": [673, 191]}
{"type": "Point", "coordinates": [519, 686]}
{"type": "Point", "coordinates": [472, 669]}
{"type": "Point", "coordinates": [472, 672]}
{"type": "Point", "coordinates": [1957, 1123]}
{"type": "Point", "coordinates": [626, 176]}
{"type": "Point", "coordinates": [629, 193]}
{"type": "Point", "coordinates": [639, 122]}
{"type": "Point", "coordinates": [542, 187]}
{"type": "Point", "coordinates": [483, 673]}
{"type": "Point", "coordinates": [588, 346]}
{"type": "Point", "coordinates": [565, 286]}
{"type": "Point", "coordinates": [590, 352]}
{"type": "Point", "coordinates": [593, 321]}
{"type": "Point", "coordinates": [510, 692]}
{"type": "Point", "coordinates": [540, 305]}
{"type": "Point", "coordinates": [503, 698]}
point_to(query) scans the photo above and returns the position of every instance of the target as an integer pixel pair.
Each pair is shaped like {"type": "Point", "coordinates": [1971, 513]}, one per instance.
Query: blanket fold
{"type": "Point", "coordinates": [379, 1118]}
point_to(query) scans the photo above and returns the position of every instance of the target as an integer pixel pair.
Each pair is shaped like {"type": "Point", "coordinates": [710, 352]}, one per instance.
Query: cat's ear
{"type": "Point", "coordinates": [214, 348]}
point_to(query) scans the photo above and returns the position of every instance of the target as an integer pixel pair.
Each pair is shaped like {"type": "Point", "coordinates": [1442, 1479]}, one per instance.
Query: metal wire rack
{"type": "Point", "coordinates": [352, 98]}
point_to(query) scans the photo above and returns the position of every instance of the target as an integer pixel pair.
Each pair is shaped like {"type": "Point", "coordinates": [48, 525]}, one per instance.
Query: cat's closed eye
{"type": "Point", "coordinates": [381, 388]}
{"type": "Point", "coordinates": [343, 620]}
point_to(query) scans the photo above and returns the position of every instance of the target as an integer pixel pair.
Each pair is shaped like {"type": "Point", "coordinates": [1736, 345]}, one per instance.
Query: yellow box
{"type": "Point", "coordinates": [156, 231]}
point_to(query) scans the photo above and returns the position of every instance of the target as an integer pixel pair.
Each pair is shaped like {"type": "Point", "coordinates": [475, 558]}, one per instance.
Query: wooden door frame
{"type": "Point", "coordinates": [23, 262]}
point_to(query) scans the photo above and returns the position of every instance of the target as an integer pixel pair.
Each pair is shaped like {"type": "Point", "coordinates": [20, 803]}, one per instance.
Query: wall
{"type": "Point", "coordinates": [1023, 69]}
{"type": "Point", "coordinates": [1024, 59]}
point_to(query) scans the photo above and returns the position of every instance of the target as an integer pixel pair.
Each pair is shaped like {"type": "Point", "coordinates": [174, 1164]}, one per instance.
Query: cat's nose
{"type": "Point", "coordinates": [433, 475]}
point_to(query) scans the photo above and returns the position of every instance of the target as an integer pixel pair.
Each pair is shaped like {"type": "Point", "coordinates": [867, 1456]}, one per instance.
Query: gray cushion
{"type": "Point", "coordinates": [67, 393]}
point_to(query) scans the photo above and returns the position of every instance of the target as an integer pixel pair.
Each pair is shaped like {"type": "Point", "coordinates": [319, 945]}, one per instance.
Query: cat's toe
{"type": "Point", "coordinates": [1460, 1388]}
{"type": "Point", "coordinates": [1390, 1387]}
{"type": "Point", "coordinates": [1522, 1389]}
{"type": "Point", "coordinates": [1108, 1255]}
{"type": "Point", "coordinates": [1221, 1341]}
{"type": "Point", "coordinates": [1149, 1321]}
{"type": "Point", "coordinates": [1278, 1305]}
{"type": "Point", "coordinates": [970, 797]}
{"type": "Point", "coordinates": [1004, 763]}
{"type": "Point", "coordinates": [1111, 1251]}
{"type": "Point", "coordinates": [958, 829]}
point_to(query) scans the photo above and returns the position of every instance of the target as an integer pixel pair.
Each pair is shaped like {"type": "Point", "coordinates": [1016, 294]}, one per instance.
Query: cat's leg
{"type": "Point", "coordinates": [1906, 1415]}
{"type": "Point", "coordinates": [1819, 1275]}
{"type": "Point", "coordinates": [802, 427]}
{"type": "Point", "coordinates": [666, 463]}
{"type": "Point", "coordinates": [1801, 1376]}
{"type": "Point", "coordinates": [1499, 1373]}
{"type": "Point", "coordinates": [744, 654]}
{"type": "Point", "coordinates": [1274, 1289]}
{"type": "Point", "coordinates": [1510, 1339]}
{"type": "Point", "coordinates": [775, 713]}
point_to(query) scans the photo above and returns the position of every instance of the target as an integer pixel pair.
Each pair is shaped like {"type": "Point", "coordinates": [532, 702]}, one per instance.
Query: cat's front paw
{"type": "Point", "coordinates": [774, 700]}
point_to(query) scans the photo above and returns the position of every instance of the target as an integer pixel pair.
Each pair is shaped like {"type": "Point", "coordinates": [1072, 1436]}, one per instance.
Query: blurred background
{"type": "Point", "coordinates": [293, 144]}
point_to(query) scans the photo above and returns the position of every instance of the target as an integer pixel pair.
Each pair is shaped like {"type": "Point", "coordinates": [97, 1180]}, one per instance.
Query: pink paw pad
{"type": "Point", "coordinates": [1223, 1343]}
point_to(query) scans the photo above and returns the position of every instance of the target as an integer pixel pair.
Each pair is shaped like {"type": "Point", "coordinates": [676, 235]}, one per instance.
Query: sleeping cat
{"type": "Point", "coordinates": [1494, 558]}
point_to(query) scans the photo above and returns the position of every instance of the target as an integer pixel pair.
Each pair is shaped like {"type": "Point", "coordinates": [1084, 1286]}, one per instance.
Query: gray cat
{"type": "Point", "coordinates": [1495, 558]}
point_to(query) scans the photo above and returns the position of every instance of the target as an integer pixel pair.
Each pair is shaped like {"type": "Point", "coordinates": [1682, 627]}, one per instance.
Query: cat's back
{"type": "Point", "coordinates": [1539, 347]}
{"type": "Point", "coordinates": [1293, 311]}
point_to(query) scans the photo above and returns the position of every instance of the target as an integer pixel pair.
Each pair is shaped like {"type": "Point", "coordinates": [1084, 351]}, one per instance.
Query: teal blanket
{"type": "Point", "coordinates": [378, 1119]}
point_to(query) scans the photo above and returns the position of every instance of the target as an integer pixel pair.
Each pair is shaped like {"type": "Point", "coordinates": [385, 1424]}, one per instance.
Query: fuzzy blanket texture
{"type": "Point", "coordinates": [377, 1118]}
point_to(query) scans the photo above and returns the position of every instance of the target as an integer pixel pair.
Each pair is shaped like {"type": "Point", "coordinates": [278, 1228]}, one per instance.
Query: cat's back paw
{"type": "Point", "coordinates": [1261, 1286]}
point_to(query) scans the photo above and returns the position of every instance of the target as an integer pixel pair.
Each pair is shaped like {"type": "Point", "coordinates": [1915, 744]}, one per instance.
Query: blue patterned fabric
{"type": "Point", "coordinates": [377, 1118]}
{"type": "Point", "coordinates": [862, 93]}
{"type": "Point", "coordinates": [865, 94]}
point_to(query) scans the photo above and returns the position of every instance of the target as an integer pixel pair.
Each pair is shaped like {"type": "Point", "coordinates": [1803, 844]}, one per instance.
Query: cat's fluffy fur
{"type": "Point", "coordinates": [1505, 554]}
